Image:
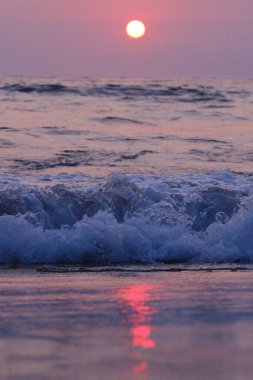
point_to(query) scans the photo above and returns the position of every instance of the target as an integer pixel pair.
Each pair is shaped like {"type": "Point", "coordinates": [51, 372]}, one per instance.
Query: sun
{"type": "Point", "coordinates": [135, 29]}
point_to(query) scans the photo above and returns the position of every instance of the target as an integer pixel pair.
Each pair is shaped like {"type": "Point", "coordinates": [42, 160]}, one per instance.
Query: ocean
{"type": "Point", "coordinates": [109, 171]}
{"type": "Point", "coordinates": [129, 326]}
{"type": "Point", "coordinates": [126, 229]}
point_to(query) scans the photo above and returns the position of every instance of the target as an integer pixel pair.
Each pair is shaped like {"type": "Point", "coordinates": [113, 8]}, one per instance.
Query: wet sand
{"type": "Point", "coordinates": [124, 325]}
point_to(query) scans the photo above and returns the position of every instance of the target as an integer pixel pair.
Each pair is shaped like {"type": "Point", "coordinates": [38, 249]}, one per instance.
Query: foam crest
{"type": "Point", "coordinates": [192, 218]}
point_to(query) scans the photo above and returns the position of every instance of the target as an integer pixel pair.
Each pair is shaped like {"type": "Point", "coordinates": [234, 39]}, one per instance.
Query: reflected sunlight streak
{"type": "Point", "coordinates": [139, 314]}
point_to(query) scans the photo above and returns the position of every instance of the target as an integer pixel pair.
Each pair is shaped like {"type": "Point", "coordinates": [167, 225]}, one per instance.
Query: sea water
{"type": "Point", "coordinates": [122, 326]}
{"type": "Point", "coordinates": [126, 207]}
{"type": "Point", "coordinates": [106, 171]}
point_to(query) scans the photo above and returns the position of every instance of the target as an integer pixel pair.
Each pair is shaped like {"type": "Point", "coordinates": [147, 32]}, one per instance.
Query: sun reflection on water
{"type": "Point", "coordinates": [138, 312]}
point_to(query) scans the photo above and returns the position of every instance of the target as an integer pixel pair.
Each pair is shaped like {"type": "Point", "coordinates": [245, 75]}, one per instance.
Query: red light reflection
{"type": "Point", "coordinates": [138, 312]}
{"type": "Point", "coordinates": [141, 337]}
{"type": "Point", "coordinates": [140, 367]}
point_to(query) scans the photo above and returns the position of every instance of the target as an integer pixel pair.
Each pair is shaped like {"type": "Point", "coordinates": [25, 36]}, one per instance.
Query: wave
{"type": "Point", "coordinates": [117, 120]}
{"type": "Point", "coordinates": [160, 92]}
{"type": "Point", "coordinates": [74, 158]}
{"type": "Point", "coordinates": [184, 93]}
{"type": "Point", "coordinates": [128, 219]}
{"type": "Point", "coordinates": [53, 88]}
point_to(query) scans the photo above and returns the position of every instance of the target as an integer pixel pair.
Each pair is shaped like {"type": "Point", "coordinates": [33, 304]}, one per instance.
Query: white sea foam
{"type": "Point", "coordinates": [192, 218]}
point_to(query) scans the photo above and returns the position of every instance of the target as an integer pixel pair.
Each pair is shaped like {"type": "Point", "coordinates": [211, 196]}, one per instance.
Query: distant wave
{"type": "Point", "coordinates": [116, 119]}
{"type": "Point", "coordinates": [54, 88]}
{"type": "Point", "coordinates": [184, 93]}
{"type": "Point", "coordinates": [190, 219]}
{"type": "Point", "coordinates": [70, 158]}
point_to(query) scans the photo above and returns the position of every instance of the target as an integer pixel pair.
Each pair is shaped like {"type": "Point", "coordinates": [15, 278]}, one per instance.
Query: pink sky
{"type": "Point", "coordinates": [211, 38]}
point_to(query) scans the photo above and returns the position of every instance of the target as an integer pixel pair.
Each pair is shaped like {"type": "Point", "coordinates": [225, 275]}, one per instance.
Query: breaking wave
{"type": "Point", "coordinates": [128, 219]}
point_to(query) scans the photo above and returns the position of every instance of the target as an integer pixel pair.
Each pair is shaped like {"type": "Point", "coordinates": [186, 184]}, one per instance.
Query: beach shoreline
{"type": "Point", "coordinates": [127, 325]}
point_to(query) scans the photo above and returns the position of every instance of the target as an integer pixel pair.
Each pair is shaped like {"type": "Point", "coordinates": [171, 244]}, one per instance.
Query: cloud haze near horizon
{"type": "Point", "coordinates": [210, 38]}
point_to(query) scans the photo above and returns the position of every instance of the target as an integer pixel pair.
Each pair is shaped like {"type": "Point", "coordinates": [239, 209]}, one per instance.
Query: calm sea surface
{"type": "Point", "coordinates": [146, 326]}
{"type": "Point", "coordinates": [98, 127]}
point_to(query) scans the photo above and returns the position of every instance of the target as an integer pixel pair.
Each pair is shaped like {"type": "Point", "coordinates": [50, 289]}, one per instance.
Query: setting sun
{"type": "Point", "coordinates": [135, 29]}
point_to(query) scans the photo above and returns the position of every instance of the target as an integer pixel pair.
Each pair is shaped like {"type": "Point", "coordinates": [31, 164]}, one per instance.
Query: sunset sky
{"type": "Point", "coordinates": [87, 38]}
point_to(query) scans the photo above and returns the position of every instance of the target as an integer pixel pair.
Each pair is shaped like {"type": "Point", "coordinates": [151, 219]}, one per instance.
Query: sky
{"type": "Point", "coordinates": [203, 38]}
